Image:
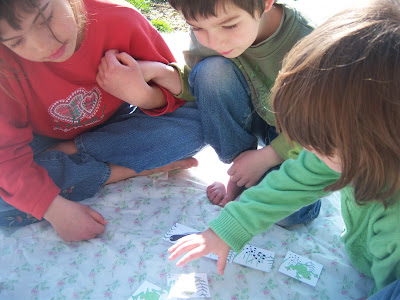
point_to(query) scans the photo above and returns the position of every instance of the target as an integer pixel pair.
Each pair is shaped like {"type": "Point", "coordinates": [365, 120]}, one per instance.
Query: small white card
{"type": "Point", "coordinates": [301, 268]}
{"type": "Point", "coordinates": [193, 285]}
{"type": "Point", "coordinates": [256, 258]}
{"type": "Point", "coordinates": [149, 291]}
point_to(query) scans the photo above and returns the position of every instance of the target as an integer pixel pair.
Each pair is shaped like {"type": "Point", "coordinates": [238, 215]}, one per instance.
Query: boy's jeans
{"type": "Point", "coordinates": [130, 138]}
{"type": "Point", "coordinates": [230, 123]}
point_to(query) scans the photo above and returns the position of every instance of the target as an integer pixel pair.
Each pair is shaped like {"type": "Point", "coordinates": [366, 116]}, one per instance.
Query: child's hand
{"type": "Point", "coordinates": [251, 165]}
{"type": "Point", "coordinates": [161, 74]}
{"type": "Point", "coordinates": [198, 245]}
{"type": "Point", "coordinates": [74, 221]}
{"type": "Point", "coordinates": [120, 75]}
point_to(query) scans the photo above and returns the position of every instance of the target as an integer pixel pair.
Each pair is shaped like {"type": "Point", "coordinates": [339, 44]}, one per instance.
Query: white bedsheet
{"type": "Point", "coordinates": [37, 264]}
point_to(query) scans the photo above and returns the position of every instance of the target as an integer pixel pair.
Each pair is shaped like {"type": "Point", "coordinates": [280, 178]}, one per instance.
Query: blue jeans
{"type": "Point", "coordinates": [389, 292]}
{"type": "Point", "coordinates": [230, 123]}
{"type": "Point", "coordinates": [130, 138]}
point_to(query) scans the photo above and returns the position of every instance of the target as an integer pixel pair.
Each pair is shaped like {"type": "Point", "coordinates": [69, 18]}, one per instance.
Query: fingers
{"type": "Point", "coordinates": [126, 59]}
{"type": "Point", "coordinates": [215, 196]}
{"type": "Point", "coordinates": [221, 264]}
{"type": "Point", "coordinates": [224, 202]}
{"type": "Point", "coordinates": [190, 244]}
{"type": "Point", "coordinates": [97, 217]}
{"type": "Point", "coordinates": [231, 171]}
{"type": "Point", "coordinates": [191, 255]}
{"type": "Point", "coordinates": [216, 192]}
{"type": "Point", "coordinates": [110, 59]}
{"type": "Point", "coordinates": [181, 246]}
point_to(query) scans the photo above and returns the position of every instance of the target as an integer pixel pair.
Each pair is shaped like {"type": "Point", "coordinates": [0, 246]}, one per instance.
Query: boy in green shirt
{"type": "Point", "coordinates": [236, 52]}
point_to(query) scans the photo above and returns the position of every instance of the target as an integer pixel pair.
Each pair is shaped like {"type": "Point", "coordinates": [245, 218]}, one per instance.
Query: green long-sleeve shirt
{"type": "Point", "coordinates": [372, 233]}
{"type": "Point", "coordinates": [260, 65]}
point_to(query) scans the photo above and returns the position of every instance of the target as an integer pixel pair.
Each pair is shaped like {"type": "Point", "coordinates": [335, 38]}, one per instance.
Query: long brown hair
{"type": "Point", "coordinates": [10, 11]}
{"type": "Point", "coordinates": [339, 92]}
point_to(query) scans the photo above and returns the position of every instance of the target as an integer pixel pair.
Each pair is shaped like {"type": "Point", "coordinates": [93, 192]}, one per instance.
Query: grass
{"type": "Point", "coordinates": [161, 25]}
{"type": "Point", "coordinates": [144, 6]}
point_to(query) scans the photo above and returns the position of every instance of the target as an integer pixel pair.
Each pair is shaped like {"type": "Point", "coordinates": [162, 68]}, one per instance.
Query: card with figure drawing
{"type": "Point", "coordinates": [256, 258]}
{"type": "Point", "coordinates": [193, 285]}
{"type": "Point", "coordinates": [301, 268]}
{"type": "Point", "coordinates": [178, 231]}
{"type": "Point", "coordinates": [149, 291]}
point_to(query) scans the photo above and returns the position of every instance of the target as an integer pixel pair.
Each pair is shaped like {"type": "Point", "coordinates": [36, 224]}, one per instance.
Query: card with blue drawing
{"type": "Point", "coordinates": [250, 256]}
{"type": "Point", "coordinates": [149, 291]}
{"type": "Point", "coordinates": [256, 258]}
{"type": "Point", "coordinates": [193, 285]}
{"type": "Point", "coordinates": [301, 268]}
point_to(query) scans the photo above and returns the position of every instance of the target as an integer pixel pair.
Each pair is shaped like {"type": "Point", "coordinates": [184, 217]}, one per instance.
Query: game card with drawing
{"type": "Point", "coordinates": [149, 291]}
{"type": "Point", "coordinates": [301, 268]}
{"type": "Point", "coordinates": [256, 258]}
{"type": "Point", "coordinates": [193, 285]}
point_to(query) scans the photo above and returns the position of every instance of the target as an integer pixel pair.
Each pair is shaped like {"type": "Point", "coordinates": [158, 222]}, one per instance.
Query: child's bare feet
{"type": "Point", "coordinates": [219, 195]}
{"type": "Point", "coordinates": [119, 173]}
{"type": "Point", "coordinates": [176, 165]}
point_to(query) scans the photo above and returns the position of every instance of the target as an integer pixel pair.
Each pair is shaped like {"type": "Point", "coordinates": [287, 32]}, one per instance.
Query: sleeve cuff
{"type": "Point", "coordinates": [184, 75]}
{"type": "Point", "coordinates": [284, 148]}
{"type": "Point", "coordinates": [228, 229]}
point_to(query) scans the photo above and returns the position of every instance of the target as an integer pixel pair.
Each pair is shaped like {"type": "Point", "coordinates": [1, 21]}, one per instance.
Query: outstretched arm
{"type": "Point", "coordinates": [198, 245]}
{"type": "Point", "coordinates": [120, 75]}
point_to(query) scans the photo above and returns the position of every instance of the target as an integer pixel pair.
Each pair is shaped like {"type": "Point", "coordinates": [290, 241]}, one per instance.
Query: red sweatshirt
{"type": "Point", "coordinates": [63, 100]}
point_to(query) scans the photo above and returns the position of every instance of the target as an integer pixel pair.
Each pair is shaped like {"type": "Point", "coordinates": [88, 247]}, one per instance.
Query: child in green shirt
{"type": "Point", "coordinates": [236, 52]}
{"type": "Point", "coordinates": [338, 96]}
{"type": "Point", "coordinates": [232, 95]}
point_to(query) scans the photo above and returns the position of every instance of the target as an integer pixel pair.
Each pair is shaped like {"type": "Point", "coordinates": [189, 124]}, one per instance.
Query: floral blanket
{"type": "Point", "coordinates": [37, 264]}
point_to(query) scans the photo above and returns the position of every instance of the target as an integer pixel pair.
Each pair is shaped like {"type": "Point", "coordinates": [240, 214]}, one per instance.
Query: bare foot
{"type": "Point", "coordinates": [216, 192]}
{"type": "Point", "coordinates": [220, 196]}
{"type": "Point", "coordinates": [119, 173]}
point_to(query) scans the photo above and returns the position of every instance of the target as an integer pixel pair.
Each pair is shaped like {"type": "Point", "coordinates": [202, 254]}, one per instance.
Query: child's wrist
{"type": "Point", "coordinates": [273, 157]}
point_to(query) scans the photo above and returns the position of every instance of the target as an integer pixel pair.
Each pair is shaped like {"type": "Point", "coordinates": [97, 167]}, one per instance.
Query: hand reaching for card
{"type": "Point", "coordinates": [198, 245]}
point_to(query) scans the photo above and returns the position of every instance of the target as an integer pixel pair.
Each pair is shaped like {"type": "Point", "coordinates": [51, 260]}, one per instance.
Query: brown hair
{"type": "Point", "coordinates": [339, 92]}
{"type": "Point", "coordinates": [207, 8]}
{"type": "Point", "coordinates": [10, 12]}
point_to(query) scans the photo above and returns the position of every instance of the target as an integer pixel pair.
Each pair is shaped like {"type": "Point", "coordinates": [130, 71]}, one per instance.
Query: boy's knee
{"type": "Point", "coordinates": [214, 71]}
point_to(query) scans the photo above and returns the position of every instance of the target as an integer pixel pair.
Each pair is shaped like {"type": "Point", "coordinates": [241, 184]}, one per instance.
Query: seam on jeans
{"type": "Point", "coordinates": [58, 155]}
{"type": "Point", "coordinates": [79, 144]}
{"type": "Point", "coordinates": [107, 175]}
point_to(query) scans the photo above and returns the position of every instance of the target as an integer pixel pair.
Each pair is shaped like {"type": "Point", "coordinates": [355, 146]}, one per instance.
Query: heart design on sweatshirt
{"type": "Point", "coordinates": [80, 104]}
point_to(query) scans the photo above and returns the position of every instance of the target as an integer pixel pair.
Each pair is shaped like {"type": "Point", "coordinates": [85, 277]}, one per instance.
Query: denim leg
{"type": "Point", "coordinates": [302, 216]}
{"type": "Point", "coordinates": [389, 292]}
{"type": "Point", "coordinates": [141, 142]}
{"type": "Point", "coordinates": [224, 101]}
{"type": "Point", "coordinates": [79, 176]}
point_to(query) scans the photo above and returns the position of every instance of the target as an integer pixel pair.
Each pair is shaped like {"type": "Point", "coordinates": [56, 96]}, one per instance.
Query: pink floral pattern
{"type": "Point", "coordinates": [37, 264]}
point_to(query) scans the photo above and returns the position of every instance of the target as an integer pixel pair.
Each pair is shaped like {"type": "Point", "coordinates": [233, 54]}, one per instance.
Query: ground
{"type": "Point", "coordinates": [163, 11]}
